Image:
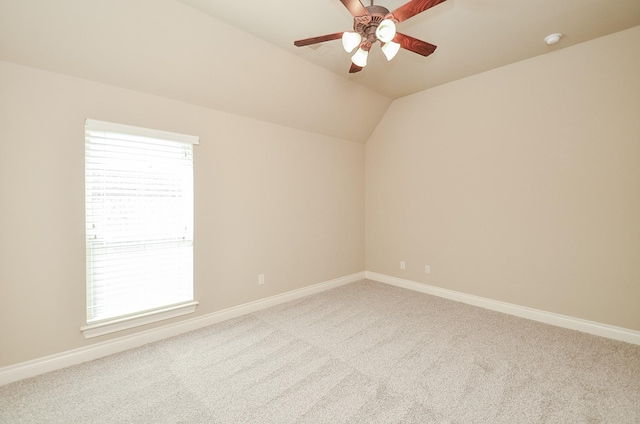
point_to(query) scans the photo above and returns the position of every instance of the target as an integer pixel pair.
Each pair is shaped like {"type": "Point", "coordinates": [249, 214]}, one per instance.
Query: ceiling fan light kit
{"type": "Point", "coordinates": [360, 58]}
{"type": "Point", "coordinates": [350, 40]}
{"type": "Point", "coordinates": [375, 23]}
{"type": "Point", "coordinates": [386, 31]}
{"type": "Point", "coordinates": [390, 49]}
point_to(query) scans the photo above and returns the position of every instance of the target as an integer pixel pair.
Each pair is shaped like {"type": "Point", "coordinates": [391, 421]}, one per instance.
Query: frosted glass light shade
{"type": "Point", "coordinates": [390, 49]}
{"type": "Point", "coordinates": [360, 58]}
{"type": "Point", "coordinates": [386, 30]}
{"type": "Point", "coordinates": [350, 40]}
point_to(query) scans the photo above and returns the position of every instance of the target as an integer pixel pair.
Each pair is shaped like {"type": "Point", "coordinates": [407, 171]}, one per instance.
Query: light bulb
{"type": "Point", "coordinates": [386, 30]}
{"type": "Point", "coordinates": [360, 58]}
{"type": "Point", "coordinates": [350, 40]}
{"type": "Point", "coordinates": [390, 49]}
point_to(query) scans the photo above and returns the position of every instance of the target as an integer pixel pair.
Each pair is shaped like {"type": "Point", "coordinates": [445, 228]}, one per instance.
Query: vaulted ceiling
{"type": "Point", "coordinates": [472, 35]}
{"type": "Point", "coordinates": [239, 56]}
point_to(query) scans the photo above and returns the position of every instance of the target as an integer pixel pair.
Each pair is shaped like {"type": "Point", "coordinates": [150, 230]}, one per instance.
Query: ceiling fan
{"type": "Point", "coordinates": [376, 23]}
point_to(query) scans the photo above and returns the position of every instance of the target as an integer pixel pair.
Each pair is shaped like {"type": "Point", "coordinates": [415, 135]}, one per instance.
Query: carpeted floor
{"type": "Point", "coordinates": [362, 353]}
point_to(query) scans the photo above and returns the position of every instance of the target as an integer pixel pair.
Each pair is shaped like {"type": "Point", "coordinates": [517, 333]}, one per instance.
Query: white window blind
{"type": "Point", "coordinates": [139, 219]}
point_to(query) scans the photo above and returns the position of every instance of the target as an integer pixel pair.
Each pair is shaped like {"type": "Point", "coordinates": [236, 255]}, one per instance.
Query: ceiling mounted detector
{"type": "Point", "coordinates": [552, 38]}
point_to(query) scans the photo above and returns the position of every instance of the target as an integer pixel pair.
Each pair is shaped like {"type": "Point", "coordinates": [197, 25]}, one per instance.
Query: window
{"type": "Point", "coordinates": [139, 226]}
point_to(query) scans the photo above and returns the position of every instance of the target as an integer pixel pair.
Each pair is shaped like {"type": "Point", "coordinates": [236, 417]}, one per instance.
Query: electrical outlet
{"type": "Point", "coordinates": [402, 265]}
{"type": "Point", "coordinates": [261, 279]}
{"type": "Point", "coordinates": [427, 269]}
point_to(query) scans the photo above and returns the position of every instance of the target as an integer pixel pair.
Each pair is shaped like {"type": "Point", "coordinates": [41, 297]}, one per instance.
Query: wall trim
{"type": "Point", "coordinates": [57, 361]}
{"type": "Point", "coordinates": [585, 326]}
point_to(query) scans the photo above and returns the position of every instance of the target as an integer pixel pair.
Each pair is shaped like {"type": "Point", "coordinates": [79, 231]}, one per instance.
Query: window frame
{"type": "Point", "coordinates": [121, 322]}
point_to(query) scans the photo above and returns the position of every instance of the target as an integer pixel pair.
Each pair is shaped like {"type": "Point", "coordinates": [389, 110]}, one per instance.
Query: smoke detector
{"type": "Point", "coordinates": [552, 38]}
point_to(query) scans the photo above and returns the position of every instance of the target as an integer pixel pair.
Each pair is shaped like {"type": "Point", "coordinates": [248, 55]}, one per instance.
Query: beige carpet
{"type": "Point", "coordinates": [362, 353]}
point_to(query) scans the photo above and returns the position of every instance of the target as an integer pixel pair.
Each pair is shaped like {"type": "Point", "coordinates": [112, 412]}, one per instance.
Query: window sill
{"type": "Point", "coordinates": [119, 324]}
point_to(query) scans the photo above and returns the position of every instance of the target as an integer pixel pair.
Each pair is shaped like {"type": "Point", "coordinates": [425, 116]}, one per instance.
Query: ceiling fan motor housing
{"type": "Point", "coordinates": [366, 26]}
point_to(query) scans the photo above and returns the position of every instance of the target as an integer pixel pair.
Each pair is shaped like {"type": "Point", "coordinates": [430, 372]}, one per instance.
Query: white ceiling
{"type": "Point", "coordinates": [472, 35]}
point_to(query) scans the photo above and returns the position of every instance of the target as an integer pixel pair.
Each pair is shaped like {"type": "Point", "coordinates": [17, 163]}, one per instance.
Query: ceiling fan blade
{"type": "Point", "coordinates": [412, 8]}
{"type": "Point", "coordinates": [355, 7]}
{"type": "Point", "coordinates": [316, 40]}
{"type": "Point", "coordinates": [354, 68]}
{"type": "Point", "coordinates": [414, 45]}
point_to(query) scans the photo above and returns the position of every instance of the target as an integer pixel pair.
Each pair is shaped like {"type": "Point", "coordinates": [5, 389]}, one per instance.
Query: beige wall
{"type": "Point", "coordinates": [169, 49]}
{"type": "Point", "coordinates": [521, 184]}
{"type": "Point", "coordinates": [269, 199]}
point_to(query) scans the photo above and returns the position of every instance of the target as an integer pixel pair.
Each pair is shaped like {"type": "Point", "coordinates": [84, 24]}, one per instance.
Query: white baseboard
{"type": "Point", "coordinates": [38, 366]}
{"type": "Point", "coordinates": [591, 327]}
